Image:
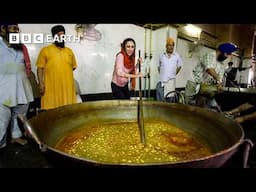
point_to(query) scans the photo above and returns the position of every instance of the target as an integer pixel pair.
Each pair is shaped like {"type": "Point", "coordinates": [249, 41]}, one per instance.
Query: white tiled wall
{"type": "Point", "coordinates": [191, 59]}
{"type": "Point", "coordinates": [96, 58]}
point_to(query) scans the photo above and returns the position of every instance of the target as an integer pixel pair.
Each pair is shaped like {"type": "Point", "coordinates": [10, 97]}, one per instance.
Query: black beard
{"type": "Point", "coordinates": [59, 44]}
{"type": "Point", "coordinates": [221, 57]}
{"type": "Point", "coordinates": [16, 46]}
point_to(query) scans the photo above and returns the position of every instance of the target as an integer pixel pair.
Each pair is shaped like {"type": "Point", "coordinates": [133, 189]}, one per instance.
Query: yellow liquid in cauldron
{"type": "Point", "coordinates": [119, 142]}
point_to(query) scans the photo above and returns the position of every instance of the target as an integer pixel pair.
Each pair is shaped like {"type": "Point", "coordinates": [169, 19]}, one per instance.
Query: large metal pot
{"type": "Point", "coordinates": [221, 134]}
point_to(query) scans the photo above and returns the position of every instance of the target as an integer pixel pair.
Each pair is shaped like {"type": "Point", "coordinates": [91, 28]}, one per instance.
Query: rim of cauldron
{"type": "Point", "coordinates": [100, 163]}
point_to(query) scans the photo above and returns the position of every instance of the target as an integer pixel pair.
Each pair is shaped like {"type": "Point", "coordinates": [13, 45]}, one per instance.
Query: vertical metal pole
{"type": "Point", "coordinates": [140, 111]}
{"type": "Point", "coordinates": [148, 82]}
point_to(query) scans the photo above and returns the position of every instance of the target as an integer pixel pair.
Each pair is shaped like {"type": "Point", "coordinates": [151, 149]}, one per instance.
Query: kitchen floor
{"type": "Point", "coordinates": [16, 155]}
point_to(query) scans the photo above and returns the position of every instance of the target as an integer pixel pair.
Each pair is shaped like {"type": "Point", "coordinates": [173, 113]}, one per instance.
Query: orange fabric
{"type": "Point", "coordinates": [129, 63]}
{"type": "Point", "coordinates": [169, 41]}
{"type": "Point", "coordinates": [58, 64]}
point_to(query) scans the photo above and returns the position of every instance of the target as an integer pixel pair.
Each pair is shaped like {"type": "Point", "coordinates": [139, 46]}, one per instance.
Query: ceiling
{"type": "Point", "coordinates": [153, 26]}
{"type": "Point", "coordinates": [213, 34]}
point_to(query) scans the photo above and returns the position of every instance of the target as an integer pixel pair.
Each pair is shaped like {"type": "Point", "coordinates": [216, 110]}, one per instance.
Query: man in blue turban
{"type": "Point", "coordinates": [227, 48]}
{"type": "Point", "coordinates": [224, 50]}
{"type": "Point", "coordinates": [208, 75]}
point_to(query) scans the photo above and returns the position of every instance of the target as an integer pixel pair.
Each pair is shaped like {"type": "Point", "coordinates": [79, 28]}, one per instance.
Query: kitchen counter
{"type": "Point", "coordinates": [240, 90]}
{"type": "Point", "coordinates": [232, 97]}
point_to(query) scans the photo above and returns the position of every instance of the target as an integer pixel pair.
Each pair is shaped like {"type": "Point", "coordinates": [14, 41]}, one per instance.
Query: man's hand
{"type": "Point", "coordinates": [219, 87]}
{"type": "Point", "coordinates": [42, 89]}
{"type": "Point", "coordinates": [140, 74]}
{"type": "Point", "coordinates": [239, 119]}
{"type": "Point", "coordinates": [139, 60]}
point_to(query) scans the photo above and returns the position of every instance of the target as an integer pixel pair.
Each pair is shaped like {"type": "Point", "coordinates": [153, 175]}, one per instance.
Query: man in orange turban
{"type": "Point", "coordinates": [169, 66]}
{"type": "Point", "coordinates": [170, 41]}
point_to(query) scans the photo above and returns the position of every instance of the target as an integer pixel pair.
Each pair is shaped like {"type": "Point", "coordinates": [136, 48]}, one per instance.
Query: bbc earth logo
{"type": "Point", "coordinates": [26, 38]}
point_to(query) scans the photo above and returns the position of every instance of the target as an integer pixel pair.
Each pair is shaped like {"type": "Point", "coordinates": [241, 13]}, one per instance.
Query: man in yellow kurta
{"type": "Point", "coordinates": [55, 66]}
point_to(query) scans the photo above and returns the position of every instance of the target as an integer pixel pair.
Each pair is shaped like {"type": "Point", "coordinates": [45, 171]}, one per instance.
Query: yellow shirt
{"type": "Point", "coordinates": [58, 64]}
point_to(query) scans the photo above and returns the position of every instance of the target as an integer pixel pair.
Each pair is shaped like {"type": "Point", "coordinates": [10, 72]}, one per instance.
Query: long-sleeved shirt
{"type": "Point", "coordinates": [15, 87]}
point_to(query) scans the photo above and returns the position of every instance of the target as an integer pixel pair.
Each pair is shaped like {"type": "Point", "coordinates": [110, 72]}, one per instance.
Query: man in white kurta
{"type": "Point", "coordinates": [15, 89]}
{"type": "Point", "coordinates": [169, 66]}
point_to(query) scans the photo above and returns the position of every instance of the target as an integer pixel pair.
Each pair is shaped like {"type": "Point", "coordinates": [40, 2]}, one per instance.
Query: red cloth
{"type": "Point", "coordinates": [129, 63]}
{"type": "Point", "coordinates": [27, 60]}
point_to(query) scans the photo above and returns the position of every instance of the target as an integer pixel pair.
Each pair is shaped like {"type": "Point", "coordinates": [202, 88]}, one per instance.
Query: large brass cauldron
{"type": "Point", "coordinates": [221, 134]}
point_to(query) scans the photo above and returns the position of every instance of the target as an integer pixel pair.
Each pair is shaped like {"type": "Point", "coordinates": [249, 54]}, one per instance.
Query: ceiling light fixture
{"type": "Point", "coordinates": [193, 30]}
